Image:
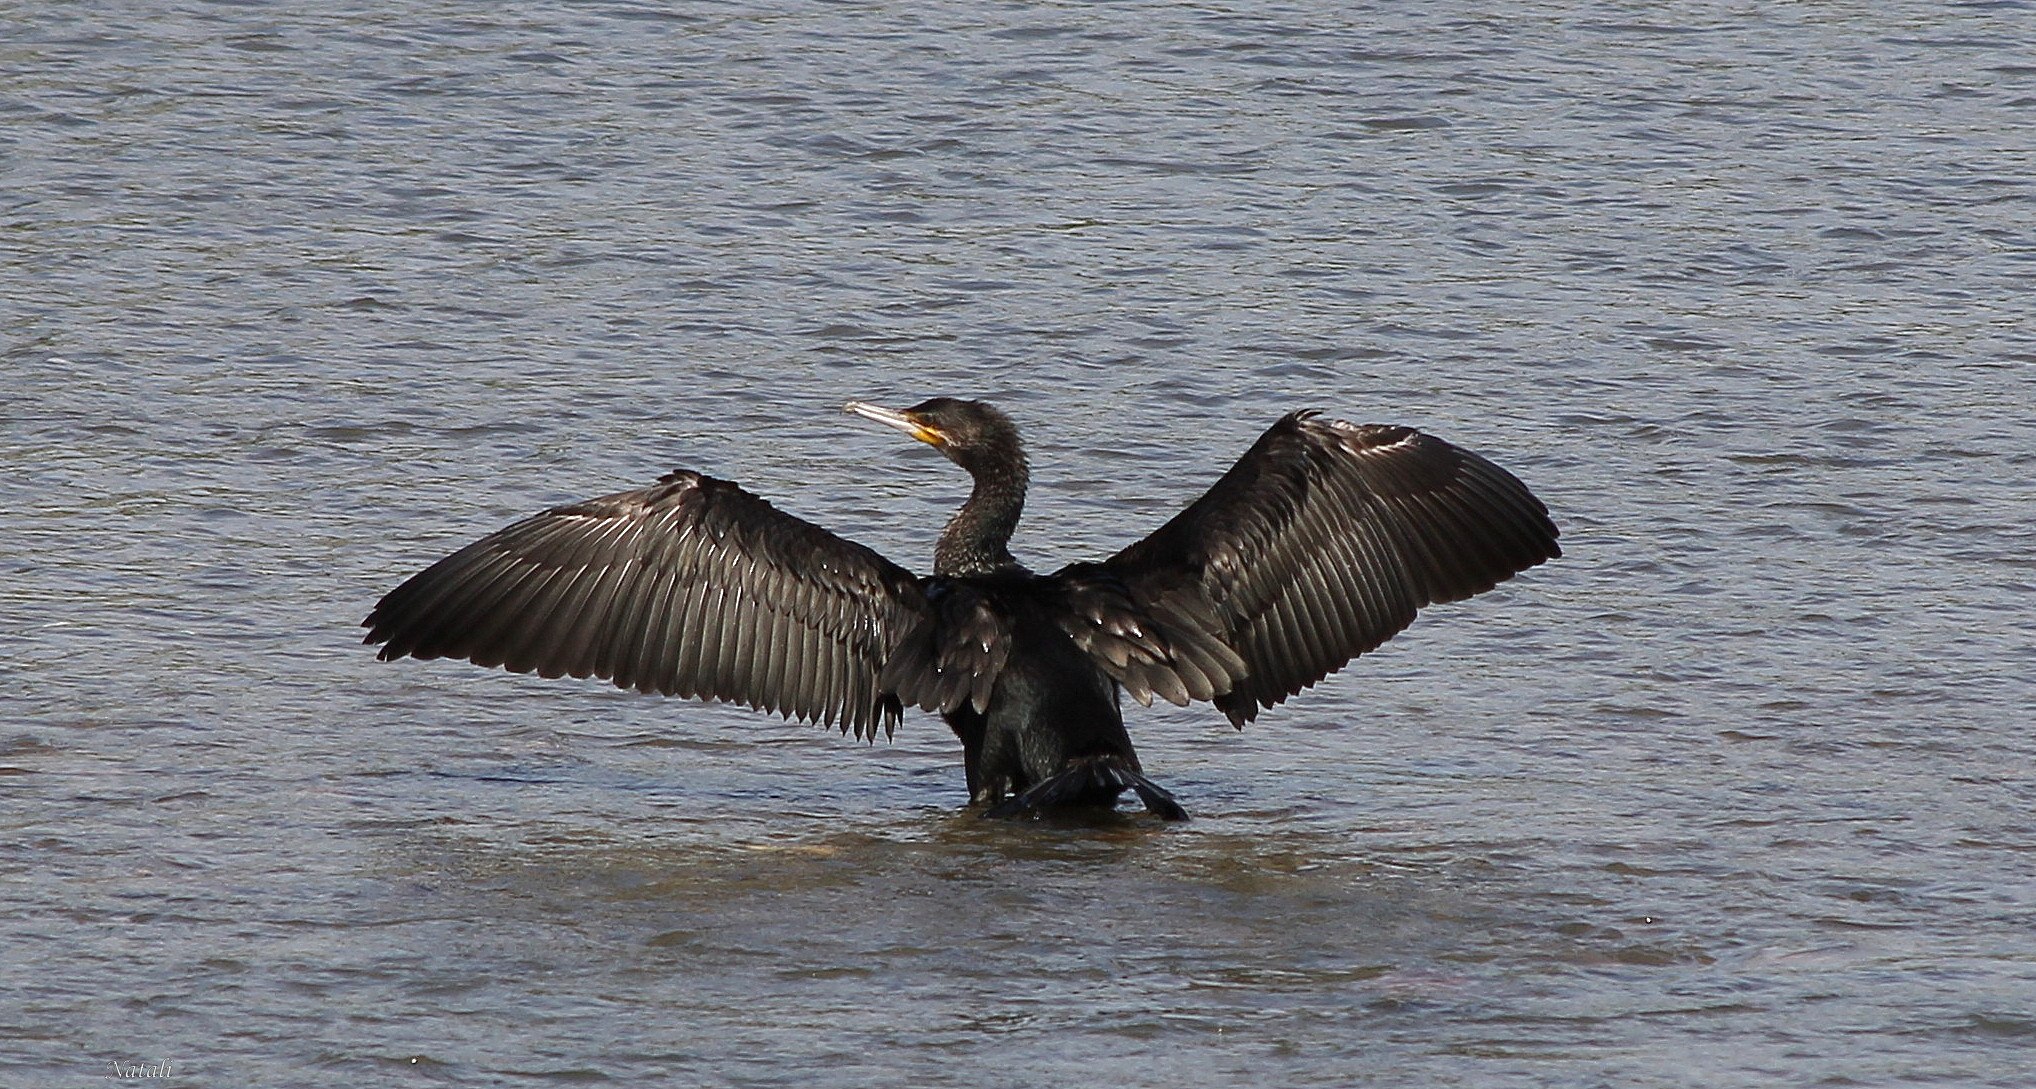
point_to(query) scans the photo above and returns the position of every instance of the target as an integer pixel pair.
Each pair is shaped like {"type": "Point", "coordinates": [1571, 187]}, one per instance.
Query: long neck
{"type": "Point", "coordinates": [977, 539]}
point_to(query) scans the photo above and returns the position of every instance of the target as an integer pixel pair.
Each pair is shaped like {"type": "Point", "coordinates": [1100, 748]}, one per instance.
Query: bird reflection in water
{"type": "Point", "coordinates": [1318, 545]}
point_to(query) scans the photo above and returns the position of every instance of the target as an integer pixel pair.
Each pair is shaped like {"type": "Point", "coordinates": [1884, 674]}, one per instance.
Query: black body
{"type": "Point", "coordinates": [1053, 733]}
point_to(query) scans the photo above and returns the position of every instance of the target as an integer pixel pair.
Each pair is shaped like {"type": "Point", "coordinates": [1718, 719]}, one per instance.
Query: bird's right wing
{"type": "Point", "coordinates": [690, 587]}
{"type": "Point", "coordinates": [1318, 545]}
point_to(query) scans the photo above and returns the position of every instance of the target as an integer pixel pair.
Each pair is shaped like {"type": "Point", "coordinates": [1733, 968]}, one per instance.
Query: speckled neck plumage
{"type": "Point", "coordinates": [977, 539]}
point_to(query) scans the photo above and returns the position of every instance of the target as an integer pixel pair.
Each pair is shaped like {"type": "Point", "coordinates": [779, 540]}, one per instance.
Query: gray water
{"type": "Point", "coordinates": [295, 299]}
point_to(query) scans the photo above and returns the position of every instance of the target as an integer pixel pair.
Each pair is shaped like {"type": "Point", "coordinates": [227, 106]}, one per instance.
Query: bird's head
{"type": "Point", "coordinates": [972, 434]}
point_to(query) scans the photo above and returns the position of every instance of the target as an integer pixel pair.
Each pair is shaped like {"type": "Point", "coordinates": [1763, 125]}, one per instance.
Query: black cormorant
{"type": "Point", "coordinates": [1318, 545]}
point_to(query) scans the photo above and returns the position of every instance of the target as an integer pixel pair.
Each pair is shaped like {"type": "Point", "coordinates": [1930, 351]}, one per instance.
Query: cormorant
{"type": "Point", "coordinates": [1318, 545]}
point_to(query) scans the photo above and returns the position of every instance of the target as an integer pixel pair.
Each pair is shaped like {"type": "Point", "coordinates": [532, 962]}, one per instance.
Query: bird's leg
{"type": "Point", "coordinates": [970, 727]}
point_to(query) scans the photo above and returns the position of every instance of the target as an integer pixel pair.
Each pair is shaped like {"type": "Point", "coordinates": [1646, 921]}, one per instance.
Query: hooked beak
{"type": "Point", "coordinates": [903, 421]}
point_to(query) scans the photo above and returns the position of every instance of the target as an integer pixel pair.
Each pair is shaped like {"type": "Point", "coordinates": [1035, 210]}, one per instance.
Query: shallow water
{"type": "Point", "coordinates": [1736, 793]}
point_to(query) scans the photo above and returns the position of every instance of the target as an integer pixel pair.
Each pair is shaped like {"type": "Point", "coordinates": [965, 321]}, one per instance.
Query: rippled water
{"type": "Point", "coordinates": [1737, 793]}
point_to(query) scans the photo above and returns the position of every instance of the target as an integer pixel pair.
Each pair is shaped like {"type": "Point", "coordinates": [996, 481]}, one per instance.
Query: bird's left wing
{"type": "Point", "coordinates": [690, 587]}
{"type": "Point", "coordinates": [1318, 545]}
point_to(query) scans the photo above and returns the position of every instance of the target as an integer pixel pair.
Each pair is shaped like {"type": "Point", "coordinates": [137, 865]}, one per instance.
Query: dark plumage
{"type": "Point", "coordinates": [1318, 545]}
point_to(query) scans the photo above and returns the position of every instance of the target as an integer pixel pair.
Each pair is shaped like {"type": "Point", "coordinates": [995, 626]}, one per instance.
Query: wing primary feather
{"type": "Point", "coordinates": [424, 621]}
{"type": "Point", "coordinates": [617, 629]}
{"type": "Point", "coordinates": [560, 642]}
{"type": "Point", "coordinates": [653, 661]}
{"type": "Point", "coordinates": [485, 630]}
{"type": "Point", "coordinates": [686, 671]}
{"type": "Point", "coordinates": [714, 641]}
{"type": "Point", "coordinates": [595, 628]}
{"type": "Point", "coordinates": [810, 680]}
{"type": "Point", "coordinates": [739, 629]}
{"type": "Point", "coordinates": [830, 687]}
{"type": "Point", "coordinates": [646, 657]}
{"type": "Point", "coordinates": [777, 660]}
{"type": "Point", "coordinates": [409, 614]}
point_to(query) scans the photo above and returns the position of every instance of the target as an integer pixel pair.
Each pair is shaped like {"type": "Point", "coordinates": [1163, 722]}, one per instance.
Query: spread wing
{"type": "Point", "coordinates": [690, 587]}
{"type": "Point", "coordinates": [1318, 545]}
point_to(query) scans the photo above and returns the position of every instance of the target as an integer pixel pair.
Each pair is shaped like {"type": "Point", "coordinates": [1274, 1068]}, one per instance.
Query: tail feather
{"type": "Point", "coordinates": [1091, 781]}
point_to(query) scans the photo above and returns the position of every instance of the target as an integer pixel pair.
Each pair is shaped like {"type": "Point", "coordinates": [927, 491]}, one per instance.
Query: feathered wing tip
{"type": "Point", "coordinates": [691, 587]}
{"type": "Point", "coordinates": [1321, 543]}
{"type": "Point", "coordinates": [1462, 524]}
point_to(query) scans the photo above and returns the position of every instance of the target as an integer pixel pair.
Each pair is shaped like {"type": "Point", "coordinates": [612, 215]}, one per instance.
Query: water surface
{"type": "Point", "coordinates": [293, 301]}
